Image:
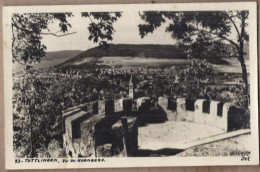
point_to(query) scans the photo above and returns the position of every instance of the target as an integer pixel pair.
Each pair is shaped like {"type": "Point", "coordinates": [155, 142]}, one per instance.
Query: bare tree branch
{"type": "Point", "coordinates": [90, 18]}
{"type": "Point", "coordinates": [234, 24]}
{"type": "Point", "coordinates": [24, 64]}
{"type": "Point", "coordinates": [53, 34]}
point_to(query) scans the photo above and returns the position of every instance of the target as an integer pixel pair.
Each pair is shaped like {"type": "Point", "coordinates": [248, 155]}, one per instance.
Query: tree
{"type": "Point", "coordinates": [39, 100]}
{"type": "Point", "coordinates": [204, 47]}
{"type": "Point", "coordinates": [102, 30]}
{"type": "Point", "coordinates": [28, 28]}
{"type": "Point", "coordinates": [27, 31]}
{"type": "Point", "coordinates": [27, 49]}
{"type": "Point", "coordinates": [40, 109]}
{"type": "Point", "coordinates": [185, 27]}
{"type": "Point", "coordinates": [197, 70]}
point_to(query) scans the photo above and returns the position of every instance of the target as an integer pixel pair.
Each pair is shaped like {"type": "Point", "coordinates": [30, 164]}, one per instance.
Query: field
{"type": "Point", "coordinates": [233, 65]}
{"type": "Point", "coordinates": [138, 61]}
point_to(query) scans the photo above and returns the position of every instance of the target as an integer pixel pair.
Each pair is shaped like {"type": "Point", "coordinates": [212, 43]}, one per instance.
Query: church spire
{"type": "Point", "coordinates": [131, 88]}
{"type": "Point", "coordinates": [131, 78]}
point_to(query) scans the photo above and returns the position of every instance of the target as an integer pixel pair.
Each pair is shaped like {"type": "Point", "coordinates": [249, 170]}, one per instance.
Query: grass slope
{"type": "Point", "coordinates": [135, 50]}
{"type": "Point", "coordinates": [131, 50]}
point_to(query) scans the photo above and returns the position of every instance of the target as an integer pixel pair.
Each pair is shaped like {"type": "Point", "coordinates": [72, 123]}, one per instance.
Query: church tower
{"type": "Point", "coordinates": [131, 89]}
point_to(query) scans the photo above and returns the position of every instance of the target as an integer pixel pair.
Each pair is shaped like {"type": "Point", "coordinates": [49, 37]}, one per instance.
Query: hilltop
{"type": "Point", "coordinates": [136, 51]}
{"type": "Point", "coordinates": [130, 50]}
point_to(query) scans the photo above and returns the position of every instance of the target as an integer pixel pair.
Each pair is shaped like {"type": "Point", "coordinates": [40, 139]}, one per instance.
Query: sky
{"type": "Point", "coordinates": [126, 32]}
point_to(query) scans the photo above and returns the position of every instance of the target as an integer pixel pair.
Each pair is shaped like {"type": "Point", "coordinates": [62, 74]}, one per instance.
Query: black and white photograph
{"type": "Point", "coordinates": [89, 86]}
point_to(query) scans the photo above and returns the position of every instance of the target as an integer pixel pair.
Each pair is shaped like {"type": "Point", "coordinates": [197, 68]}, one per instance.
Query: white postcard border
{"type": "Point", "coordinates": [129, 161]}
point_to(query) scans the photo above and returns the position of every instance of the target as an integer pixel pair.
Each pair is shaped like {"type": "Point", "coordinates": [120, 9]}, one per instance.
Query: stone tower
{"type": "Point", "coordinates": [131, 89]}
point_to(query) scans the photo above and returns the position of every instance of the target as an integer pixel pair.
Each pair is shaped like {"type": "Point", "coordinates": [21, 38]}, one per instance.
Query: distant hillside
{"type": "Point", "coordinates": [51, 59]}
{"type": "Point", "coordinates": [72, 57]}
{"type": "Point", "coordinates": [131, 50]}
{"type": "Point", "coordinates": [137, 50]}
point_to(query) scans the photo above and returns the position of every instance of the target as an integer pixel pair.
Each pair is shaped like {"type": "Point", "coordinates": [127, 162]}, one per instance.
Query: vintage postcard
{"type": "Point", "coordinates": [140, 85]}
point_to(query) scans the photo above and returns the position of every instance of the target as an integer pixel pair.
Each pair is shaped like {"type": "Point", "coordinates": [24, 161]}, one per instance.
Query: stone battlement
{"type": "Point", "coordinates": [214, 113]}
{"type": "Point", "coordinates": [109, 127]}
{"type": "Point", "coordinates": [100, 129]}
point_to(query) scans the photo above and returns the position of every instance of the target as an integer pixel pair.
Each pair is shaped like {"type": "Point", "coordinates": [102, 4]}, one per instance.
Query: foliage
{"type": "Point", "coordinates": [55, 149]}
{"type": "Point", "coordinates": [190, 78]}
{"type": "Point", "coordinates": [38, 106]}
{"type": "Point", "coordinates": [101, 31]}
{"type": "Point", "coordinates": [183, 26]}
{"type": "Point", "coordinates": [205, 48]}
{"type": "Point", "coordinates": [198, 69]}
{"type": "Point", "coordinates": [194, 28]}
{"type": "Point", "coordinates": [240, 99]}
{"type": "Point", "coordinates": [27, 31]}
{"type": "Point", "coordinates": [40, 112]}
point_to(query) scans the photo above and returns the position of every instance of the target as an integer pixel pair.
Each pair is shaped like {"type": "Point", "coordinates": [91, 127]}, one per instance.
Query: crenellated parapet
{"type": "Point", "coordinates": [185, 110]}
{"type": "Point", "coordinates": [89, 128]}
{"type": "Point", "coordinates": [214, 113]}
{"type": "Point", "coordinates": [109, 127]}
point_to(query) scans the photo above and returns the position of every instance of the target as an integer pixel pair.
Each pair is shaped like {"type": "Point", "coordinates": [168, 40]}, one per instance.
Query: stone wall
{"type": "Point", "coordinates": [109, 107]}
{"type": "Point", "coordinates": [106, 128]}
{"type": "Point", "coordinates": [217, 116]}
{"type": "Point", "coordinates": [127, 106]}
{"type": "Point", "coordinates": [214, 113]}
{"type": "Point", "coordinates": [237, 118]}
{"type": "Point", "coordinates": [67, 136]}
{"type": "Point", "coordinates": [101, 107]}
{"type": "Point", "coordinates": [141, 101]}
{"type": "Point", "coordinates": [163, 102]}
{"type": "Point", "coordinates": [118, 103]}
{"type": "Point", "coordinates": [224, 116]}
{"type": "Point", "coordinates": [85, 145]}
{"type": "Point", "coordinates": [184, 113]}
{"type": "Point", "coordinates": [89, 129]}
{"type": "Point", "coordinates": [104, 142]}
{"type": "Point", "coordinates": [125, 138]}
